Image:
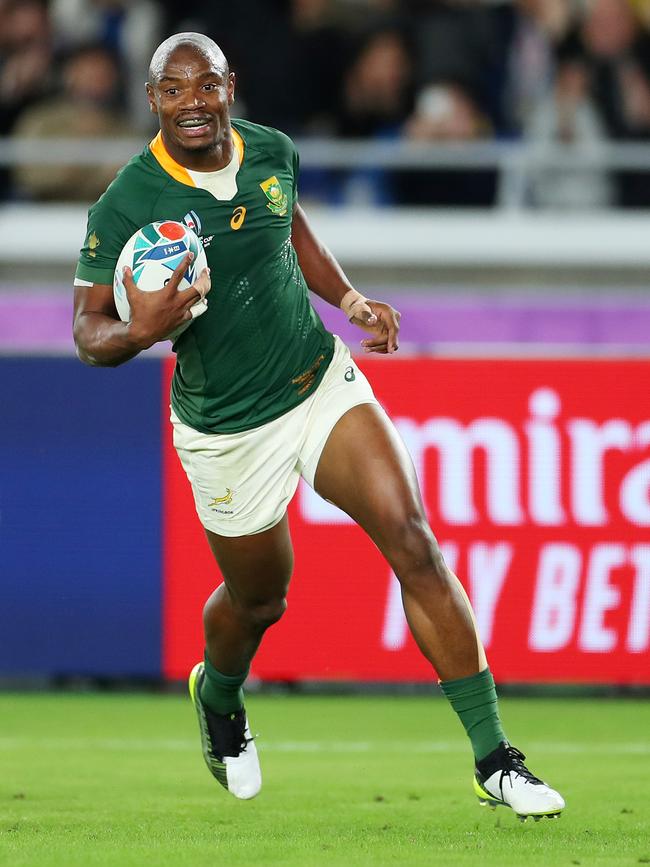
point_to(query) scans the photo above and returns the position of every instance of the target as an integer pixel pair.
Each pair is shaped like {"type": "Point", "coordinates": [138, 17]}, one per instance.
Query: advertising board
{"type": "Point", "coordinates": [536, 479]}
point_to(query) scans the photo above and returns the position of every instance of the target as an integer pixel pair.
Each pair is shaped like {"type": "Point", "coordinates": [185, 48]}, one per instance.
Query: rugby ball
{"type": "Point", "coordinates": [153, 253]}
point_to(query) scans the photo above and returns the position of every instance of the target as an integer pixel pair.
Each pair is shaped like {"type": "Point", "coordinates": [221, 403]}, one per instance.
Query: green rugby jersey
{"type": "Point", "coordinates": [260, 349]}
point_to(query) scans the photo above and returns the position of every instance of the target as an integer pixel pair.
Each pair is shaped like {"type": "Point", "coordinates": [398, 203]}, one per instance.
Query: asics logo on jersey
{"type": "Point", "coordinates": [238, 217]}
{"type": "Point", "coordinates": [192, 221]}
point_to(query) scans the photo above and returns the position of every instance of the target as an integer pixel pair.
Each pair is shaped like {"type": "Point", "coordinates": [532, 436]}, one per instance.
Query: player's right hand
{"type": "Point", "coordinates": [382, 324]}
{"type": "Point", "coordinates": [154, 315]}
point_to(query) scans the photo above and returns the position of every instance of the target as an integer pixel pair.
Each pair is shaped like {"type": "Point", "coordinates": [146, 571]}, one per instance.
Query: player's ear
{"type": "Point", "coordinates": [153, 108]}
{"type": "Point", "coordinates": [231, 88]}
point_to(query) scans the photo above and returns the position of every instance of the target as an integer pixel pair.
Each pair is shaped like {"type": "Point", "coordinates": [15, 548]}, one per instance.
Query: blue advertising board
{"type": "Point", "coordinates": [80, 518]}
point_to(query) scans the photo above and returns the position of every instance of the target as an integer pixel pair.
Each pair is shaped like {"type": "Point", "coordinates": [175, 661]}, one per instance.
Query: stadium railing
{"type": "Point", "coordinates": [510, 235]}
{"type": "Point", "coordinates": [513, 160]}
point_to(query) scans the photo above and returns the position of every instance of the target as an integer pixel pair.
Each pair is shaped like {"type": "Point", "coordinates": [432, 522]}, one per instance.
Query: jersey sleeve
{"type": "Point", "coordinates": [107, 232]}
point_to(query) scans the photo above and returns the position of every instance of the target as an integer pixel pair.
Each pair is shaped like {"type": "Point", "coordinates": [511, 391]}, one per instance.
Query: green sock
{"type": "Point", "coordinates": [474, 699]}
{"type": "Point", "coordinates": [222, 693]}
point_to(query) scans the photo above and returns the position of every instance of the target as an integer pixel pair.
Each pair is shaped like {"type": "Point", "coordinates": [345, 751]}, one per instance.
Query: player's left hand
{"type": "Point", "coordinates": [381, 321]}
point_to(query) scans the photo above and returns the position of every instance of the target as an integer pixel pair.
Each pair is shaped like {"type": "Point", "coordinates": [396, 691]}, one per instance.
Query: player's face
{"type": "Point", "coordinates": [192, 99]}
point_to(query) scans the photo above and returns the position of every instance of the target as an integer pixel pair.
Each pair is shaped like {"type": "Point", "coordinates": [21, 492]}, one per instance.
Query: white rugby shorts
{"type": "Point", "coordinates": [243, 482]}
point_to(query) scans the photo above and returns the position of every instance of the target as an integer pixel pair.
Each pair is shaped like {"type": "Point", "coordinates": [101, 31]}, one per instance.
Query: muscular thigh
{"type": "Point", "coordinates": [255, 568]}
{"type": "Point", "coordinates": [366, 470]}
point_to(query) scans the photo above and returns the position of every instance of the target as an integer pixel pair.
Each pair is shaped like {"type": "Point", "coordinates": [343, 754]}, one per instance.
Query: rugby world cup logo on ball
{"type": "Point", "coordinates": [153, 253]}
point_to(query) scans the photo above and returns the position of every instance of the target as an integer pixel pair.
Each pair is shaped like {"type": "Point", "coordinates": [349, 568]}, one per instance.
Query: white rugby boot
{"type": "Point", "coordinates": [502, 779]}
{"type": "Point", "coordinates": [228, 746]}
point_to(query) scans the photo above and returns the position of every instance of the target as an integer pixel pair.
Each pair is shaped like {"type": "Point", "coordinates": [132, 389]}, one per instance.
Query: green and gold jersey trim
{"type": "Point", "coordinates": [176, 170]}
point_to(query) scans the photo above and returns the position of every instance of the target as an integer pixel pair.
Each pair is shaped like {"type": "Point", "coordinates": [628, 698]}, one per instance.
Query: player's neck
{"type": "Point", "coordinates": [209, 160]}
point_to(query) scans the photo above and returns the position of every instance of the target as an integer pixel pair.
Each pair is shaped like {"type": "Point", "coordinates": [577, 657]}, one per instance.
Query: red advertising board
{"type": "Point", "coordinates": [536, 479]}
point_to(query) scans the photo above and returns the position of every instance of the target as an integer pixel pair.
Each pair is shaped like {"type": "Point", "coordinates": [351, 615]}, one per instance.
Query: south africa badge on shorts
{"type": "Point", "coordinates": [277, 200]}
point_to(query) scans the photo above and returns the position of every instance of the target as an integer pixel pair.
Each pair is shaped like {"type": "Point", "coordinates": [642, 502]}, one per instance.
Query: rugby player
{"type": "Point", "coordinates": [261, 395]}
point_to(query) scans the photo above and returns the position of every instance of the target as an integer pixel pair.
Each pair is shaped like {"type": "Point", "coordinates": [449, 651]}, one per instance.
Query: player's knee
{"type": "Point", "coordinates": [413, 540]}
{"type": "Point", "coordinates": [417, 558]}
{"type": "Point", "coordinates": [261, 615]}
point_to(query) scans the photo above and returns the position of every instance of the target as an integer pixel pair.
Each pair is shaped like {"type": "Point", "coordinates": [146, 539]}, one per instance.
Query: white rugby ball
{"type": "Point", "coordinates": [153, 253]}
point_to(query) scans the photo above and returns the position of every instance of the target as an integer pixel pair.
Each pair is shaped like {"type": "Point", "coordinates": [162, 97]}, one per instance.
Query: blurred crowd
{"type": "Point", "coordinates": [569, 72]}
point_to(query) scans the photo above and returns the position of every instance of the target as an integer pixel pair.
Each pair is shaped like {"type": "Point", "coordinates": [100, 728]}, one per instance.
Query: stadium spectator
{"type": "Point", "coordinates": [349, 68]}
{"type": "Point", "coordinates": [129, 29]}
{"type": "Point", "coordinates": [282, 53]}
{"type": "Point", "coordinates": [85, 108]}
{"type": "Point", "coordinates": [463, 42]}
{"type": "Point", "coordinates": [316, 38]}
{"type": "Point", "coordinates": [446, 112]}
{"type": "Point", "coordinates": [376, 87]}
{"type": "Point", "coordinates": [616, 49]}
{"type": "Point", "coordinates": [25, 57]}
{"type": "Point", "coordinates": [375, 102]}
{"type": "Point", "coordinates": [569, 117]}
{"type": "Point", "coordinates": [536, 29]}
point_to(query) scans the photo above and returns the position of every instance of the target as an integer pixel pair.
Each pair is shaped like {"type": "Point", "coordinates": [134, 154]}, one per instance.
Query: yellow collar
{"type": "Point", "coordinates": [176, 170]}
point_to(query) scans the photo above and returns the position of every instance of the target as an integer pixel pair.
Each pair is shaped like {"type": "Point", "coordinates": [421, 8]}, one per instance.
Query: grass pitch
{"type": "Point", "coordinates": [103, 779]}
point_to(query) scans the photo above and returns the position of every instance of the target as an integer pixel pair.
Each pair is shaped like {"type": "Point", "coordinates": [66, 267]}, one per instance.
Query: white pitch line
{"type": "Point", "coordinates": [315, 747]}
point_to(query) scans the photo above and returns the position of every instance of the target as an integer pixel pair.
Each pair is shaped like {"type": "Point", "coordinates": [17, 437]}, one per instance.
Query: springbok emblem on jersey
{"type": "Point", "coordinates": [222, 501]}
{"type": "Point", "coordinates": [93, 243]}
{"type": "Point", "coordinates": [277, 200]}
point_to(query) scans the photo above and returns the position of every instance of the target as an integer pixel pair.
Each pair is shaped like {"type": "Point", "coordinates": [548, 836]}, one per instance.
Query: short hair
{"type": "Point", "coordinates": [202, 44]}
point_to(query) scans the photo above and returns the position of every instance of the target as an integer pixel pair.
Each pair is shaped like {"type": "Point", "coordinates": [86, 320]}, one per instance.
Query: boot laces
{"type": "Point", "coordinates": [227, 734]}
{"type": "Point", "coordinates": [238, 738]}
{"type": "Point", "coordinates": [514, 763]}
